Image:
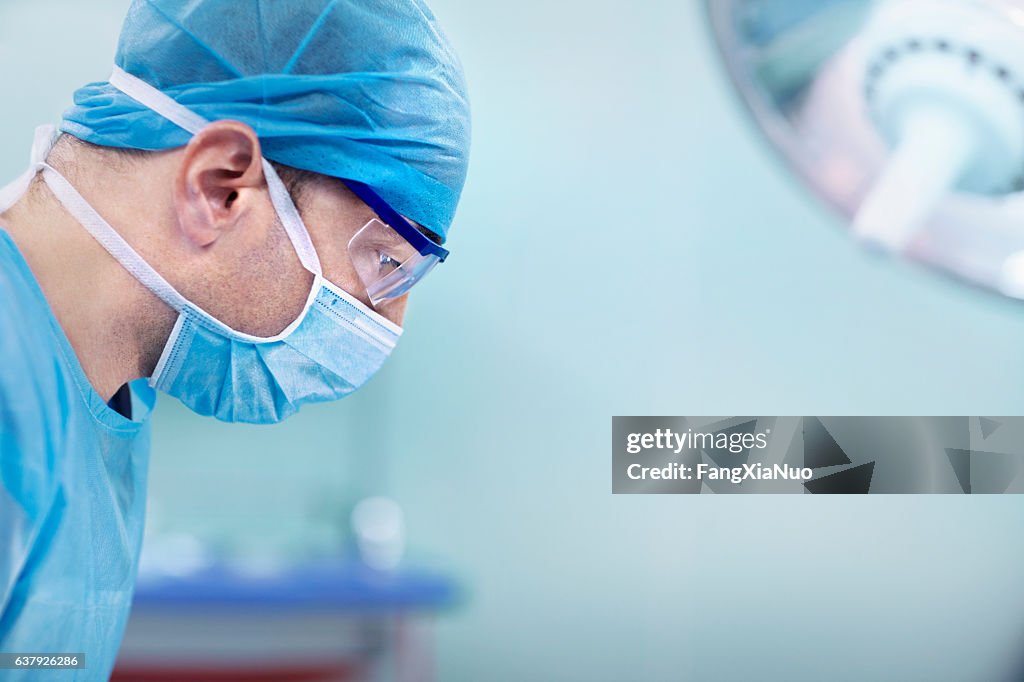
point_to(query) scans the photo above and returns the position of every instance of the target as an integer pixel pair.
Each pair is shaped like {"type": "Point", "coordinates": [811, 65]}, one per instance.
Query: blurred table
{"type": "Point", "coordinates": [323, 622]}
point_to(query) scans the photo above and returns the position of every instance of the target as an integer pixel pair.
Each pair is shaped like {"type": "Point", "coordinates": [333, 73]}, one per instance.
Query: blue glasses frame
{"type": "Point", "coordinates": [396, 222]}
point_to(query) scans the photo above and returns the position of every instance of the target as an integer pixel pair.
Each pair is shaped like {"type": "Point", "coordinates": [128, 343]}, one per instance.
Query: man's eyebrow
{"type": "Point", "coordinates": [432, 236]}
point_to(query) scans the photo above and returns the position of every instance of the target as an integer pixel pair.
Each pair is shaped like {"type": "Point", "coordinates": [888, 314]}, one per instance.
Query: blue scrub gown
{"type": "Point", "coordinates": [72, 490]}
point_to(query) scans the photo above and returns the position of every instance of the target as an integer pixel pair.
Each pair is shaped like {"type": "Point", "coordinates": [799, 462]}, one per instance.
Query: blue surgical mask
{"type": "Point", "coordinates": [333, 347]}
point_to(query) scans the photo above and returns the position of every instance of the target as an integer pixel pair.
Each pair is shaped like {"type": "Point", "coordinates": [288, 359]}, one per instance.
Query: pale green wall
{"type": "Point", "coordinates": [627, 245]}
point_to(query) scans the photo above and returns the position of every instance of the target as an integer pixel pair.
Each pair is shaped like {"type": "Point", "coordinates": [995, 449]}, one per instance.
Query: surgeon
{"type": "Point", "coordinates": [235, 218]}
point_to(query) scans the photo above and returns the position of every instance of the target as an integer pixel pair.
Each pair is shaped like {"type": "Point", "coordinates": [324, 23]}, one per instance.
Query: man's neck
{"type": "Point", "coordinates": [115, 325]}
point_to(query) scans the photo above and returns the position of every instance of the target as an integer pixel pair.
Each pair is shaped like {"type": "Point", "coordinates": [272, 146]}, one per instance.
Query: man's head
{"type": "Point", "coordinates": [369, 91]}
{"type": "Point", "coordinates": [170, 166]}
{"type": "Point", "coordinates": [210, 227]}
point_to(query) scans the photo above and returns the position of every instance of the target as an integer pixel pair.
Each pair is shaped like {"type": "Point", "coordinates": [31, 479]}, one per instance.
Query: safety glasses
{"type": "Point", "coordinates": [389, 254]}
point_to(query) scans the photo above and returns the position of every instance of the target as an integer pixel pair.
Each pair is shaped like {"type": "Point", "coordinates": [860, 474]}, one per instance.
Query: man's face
{"type": "Point", "coordinates": [231, 253]}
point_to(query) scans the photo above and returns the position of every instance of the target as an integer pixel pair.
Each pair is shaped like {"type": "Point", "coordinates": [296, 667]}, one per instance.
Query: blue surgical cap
{"type": "Point", "coordinates": [366, 90]}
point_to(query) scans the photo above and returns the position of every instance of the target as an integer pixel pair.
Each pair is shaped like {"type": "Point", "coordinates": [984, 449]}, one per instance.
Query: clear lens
{"type": "Point", "coordinates": [386, 263]}
{"type": "Point", "coordinates": [402, 279]}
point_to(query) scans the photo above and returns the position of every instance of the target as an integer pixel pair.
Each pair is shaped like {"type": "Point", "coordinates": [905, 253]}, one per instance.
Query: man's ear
{"type": "Point", "coordinates": [220, 176]}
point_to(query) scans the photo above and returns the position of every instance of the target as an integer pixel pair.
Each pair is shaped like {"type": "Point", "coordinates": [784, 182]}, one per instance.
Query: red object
{"type": "Point", "coordinates": [338, 672]}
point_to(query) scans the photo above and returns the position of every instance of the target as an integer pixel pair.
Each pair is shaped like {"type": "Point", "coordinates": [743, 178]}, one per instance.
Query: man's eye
{"type": "Point", "coordinates": [388, 263]}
